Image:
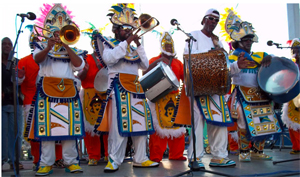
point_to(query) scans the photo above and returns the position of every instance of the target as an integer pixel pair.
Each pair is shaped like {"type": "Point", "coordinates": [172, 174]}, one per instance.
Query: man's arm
{"type": "Point", "coordinates": [42, 55]}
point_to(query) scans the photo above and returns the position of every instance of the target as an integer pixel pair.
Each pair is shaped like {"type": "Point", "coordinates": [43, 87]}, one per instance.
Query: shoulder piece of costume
{"type": "Point", "coordinates": [166, 38]}
{"type": "Point", "coordinates": [257, 57]}
{"type": "Point", "coordinates": [233, 28]}
{"type": "Point", "coordinates": [59, 53]}
{"type": "Point", "coordinates": [53, 18]}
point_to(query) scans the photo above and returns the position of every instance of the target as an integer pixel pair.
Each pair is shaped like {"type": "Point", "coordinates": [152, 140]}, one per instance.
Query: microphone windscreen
{"type": "Point", "coordinates": [270, 43]}
{"type": "Point", "coordinates": [173, 21]}
{"type": "Point", "coordinates": [31, 16]}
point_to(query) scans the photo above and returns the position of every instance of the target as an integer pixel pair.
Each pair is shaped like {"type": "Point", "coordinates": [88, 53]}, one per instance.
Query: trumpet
{"type": "Point", "coordinates": [146, 24]}
{"type": "Point", "coordinates": [68, 34]}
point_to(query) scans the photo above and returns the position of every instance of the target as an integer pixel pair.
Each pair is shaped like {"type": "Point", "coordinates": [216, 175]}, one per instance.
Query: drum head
{"type": "Point", "coordinates": [279, 78]}
{"type": "Point", "coordinates": [101, 80]}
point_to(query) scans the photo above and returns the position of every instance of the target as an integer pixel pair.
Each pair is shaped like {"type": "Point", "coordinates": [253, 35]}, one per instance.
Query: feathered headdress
{"type": "Point", "coordinates": [53, 18]}
{"type": "Point", "coordinates": [123, 13]}
{"type": "Point", "coordinates": [233, 28]}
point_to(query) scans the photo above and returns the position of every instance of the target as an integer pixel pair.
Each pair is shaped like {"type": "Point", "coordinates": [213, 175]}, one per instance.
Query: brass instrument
{"type": "Point", "coordinates": [68, 34]}
{"type": "Point", "coordinates": [146, 23]}
{"type": "Point", "coordinates": [46, 32]}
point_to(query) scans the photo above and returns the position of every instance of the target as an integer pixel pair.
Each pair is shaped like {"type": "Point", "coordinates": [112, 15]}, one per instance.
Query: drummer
{"type": "Point", "coordinates": [127, 109]}
{"type": "Point", "coordinates": [163, 110]}
{"type": "Point", "coordinates": [216, 124]}
{"type": "Point", "coordinates": [291, 110]}
{"type": "Point", "coordinates": [92, 100]}
{"type": "Point", "coordinates": [249, 112]}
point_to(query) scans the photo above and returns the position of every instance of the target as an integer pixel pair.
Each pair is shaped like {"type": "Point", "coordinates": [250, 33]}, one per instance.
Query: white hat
{"type": "Point", "coordinates": [210, 12]}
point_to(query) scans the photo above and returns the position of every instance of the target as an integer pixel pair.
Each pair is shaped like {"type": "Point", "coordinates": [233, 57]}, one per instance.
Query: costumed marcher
{"type": "Point", "coordinates": [290, 111]}
{"type": "Point", "coordinates": [211, 108]}
{"type": "Point", "coordinates": [92, 98]}
{"type": "Point", "coordinates": [256, 118]}
{"type": "Point", "coordinates": [28, 79]}
{"type": "Point", "coordinates": [126, 108]}
{"type": "Point", "coordinates": [8, 108]}
{"type": "Point", "coordinates": [57, 109]}
{"type": "Point", "coordinates": [164, 109]}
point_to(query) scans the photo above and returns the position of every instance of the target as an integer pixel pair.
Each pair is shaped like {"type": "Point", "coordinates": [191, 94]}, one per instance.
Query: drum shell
{"type": "Point", "coordinates": [158, 82]}
{"type": "Point", "coordinates": [279, 65]}
{"type": "Point", "coordinates": [210, 73]}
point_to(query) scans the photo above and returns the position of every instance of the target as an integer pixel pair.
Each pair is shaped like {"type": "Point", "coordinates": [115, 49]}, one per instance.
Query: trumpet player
{"type": "Point", "coordinates": [127, 109]}
{"type": "Point", "coordinates": [57, 108]}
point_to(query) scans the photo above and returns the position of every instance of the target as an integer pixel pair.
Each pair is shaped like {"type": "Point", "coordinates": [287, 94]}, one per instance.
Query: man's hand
{"type": "Point", "coordinates": [21, 72]}
{"type": "Point", "coordinates": [51, 43]}
{"type": "Point", "coordinates": [243, 62]}
{"type": "Point", "coordinates": [266, 61]}
{"type": "Point", "coordinates": [134, 38]}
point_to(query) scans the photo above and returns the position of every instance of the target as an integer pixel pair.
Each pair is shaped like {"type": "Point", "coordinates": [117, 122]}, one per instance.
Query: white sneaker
{"type": "Point", "coordinates": [111, 166]}
{"type": "Point", "coordinates": [146, 164]}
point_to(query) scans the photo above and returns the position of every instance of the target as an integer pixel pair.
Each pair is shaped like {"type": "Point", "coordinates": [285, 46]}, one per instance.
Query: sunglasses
{"type": "Point", "coordinates": [247, 39]}
{"type": "Point", "coordinates": [125, 27]}
{"type": "Point", "coordinates": [212, 18]}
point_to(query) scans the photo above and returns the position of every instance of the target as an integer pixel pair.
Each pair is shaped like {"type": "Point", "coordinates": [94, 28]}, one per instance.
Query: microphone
{"type": "Point", "coordinates": [29, 15]}
{"type": "Point", "coordinates": [270, 43]}
{"type": "Point", "coordinates": [174, 22]}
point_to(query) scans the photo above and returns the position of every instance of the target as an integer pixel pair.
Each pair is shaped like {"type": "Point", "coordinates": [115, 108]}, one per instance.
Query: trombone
{"type": "Point", "coordinates": [146, 24]}
{"type": "Point", "coordinates": [68, 34]}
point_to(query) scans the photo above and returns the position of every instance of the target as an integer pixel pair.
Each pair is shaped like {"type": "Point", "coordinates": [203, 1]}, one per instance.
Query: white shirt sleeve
{"type": "Point", "coordinates": [79, 67]}
{"type": "Point", "coordinates": [144, 64]}
{"type": "Point", "coordinates": [112, 56]}
{"type": "Point", "coordinates": [234, 69]}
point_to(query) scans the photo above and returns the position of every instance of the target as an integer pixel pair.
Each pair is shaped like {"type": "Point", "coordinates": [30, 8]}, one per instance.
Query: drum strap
{"type": "Point", "coordinates": [171, 58]}
{"type": "Point", "coordinates": [96, 61]}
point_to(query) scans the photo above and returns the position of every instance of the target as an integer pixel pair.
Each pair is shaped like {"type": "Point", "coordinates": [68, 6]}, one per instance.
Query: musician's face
{"type": "Point", "coordinates": [6, 46]}
{"type": "Point", "coordinates": [246, 43]}
{"type": "Point", "coordinates": [210, 23]}
{"type": "Point", "coordinates": [123, 34]}
{"type": "Point", "coordinates": [169, 47]}
{"type": "Point", "coordinates": [56, 36]}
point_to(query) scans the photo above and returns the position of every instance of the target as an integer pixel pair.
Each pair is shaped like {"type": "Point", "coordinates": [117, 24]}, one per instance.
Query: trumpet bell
{"type": "Point", "coordinates": [69, 34]}
{"type": "Point", "coordinates": [146, 23]}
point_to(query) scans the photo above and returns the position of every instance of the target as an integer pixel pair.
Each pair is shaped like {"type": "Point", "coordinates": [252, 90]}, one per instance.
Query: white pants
{"type": "Point", "coordinates": [69, 152]}
{"type": "Point", "coordinates": [117, 144]}
{"type": "Point", "coordinates": [217, 137]}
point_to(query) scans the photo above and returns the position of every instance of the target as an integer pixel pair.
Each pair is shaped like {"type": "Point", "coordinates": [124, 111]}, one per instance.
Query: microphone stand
{"type": "Point", "coordinates": [11, 65]}
{"type": "Point", "coordinates": [194, 166]}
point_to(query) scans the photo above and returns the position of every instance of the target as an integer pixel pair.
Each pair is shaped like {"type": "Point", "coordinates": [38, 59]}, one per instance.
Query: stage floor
{"type": "Point", "coordinates": [173, 168]}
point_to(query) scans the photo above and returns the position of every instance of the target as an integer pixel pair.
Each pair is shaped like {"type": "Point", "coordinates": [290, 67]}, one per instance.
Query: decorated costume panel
{"type": "Point", "coordinates": [165, 110]}
{"type": "Point", "coordinates": [133, 112]}
{"type": "Point", "coordinates": [57, 111]}
{"type": "Point", "coordinates": [214, 110]}
{"type": "Point", "coordinates": [258, 113]}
